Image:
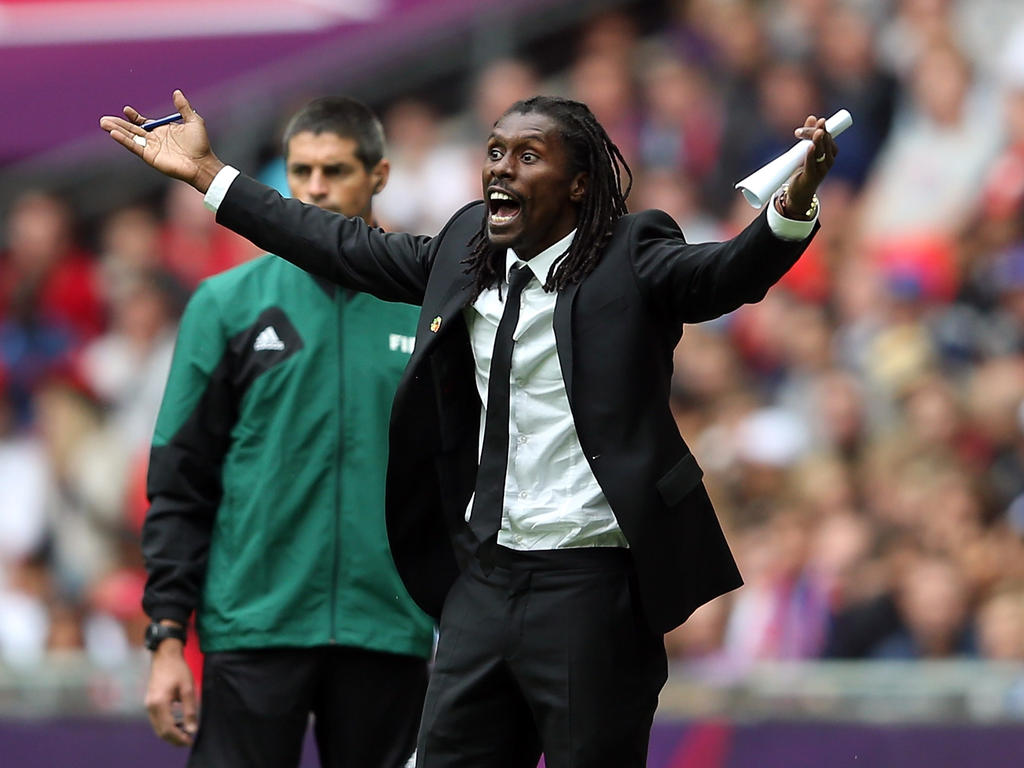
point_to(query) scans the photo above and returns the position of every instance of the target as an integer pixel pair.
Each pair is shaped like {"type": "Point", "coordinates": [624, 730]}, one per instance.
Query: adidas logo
{"type": "Point", "coordinates": [268, 340]}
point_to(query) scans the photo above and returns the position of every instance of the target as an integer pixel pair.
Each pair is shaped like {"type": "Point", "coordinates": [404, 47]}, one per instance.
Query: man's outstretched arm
{"type": "Point", "coordinates": [393, 267]}
{"type": "Point", "coordinates": [696, 282]}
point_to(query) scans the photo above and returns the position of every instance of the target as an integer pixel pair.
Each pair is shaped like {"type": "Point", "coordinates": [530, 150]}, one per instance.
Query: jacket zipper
{"type": "Point", "coordinates": [338, 451]}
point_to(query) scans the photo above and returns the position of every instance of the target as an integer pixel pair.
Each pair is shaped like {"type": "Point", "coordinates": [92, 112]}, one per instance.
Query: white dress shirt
{"type": "Point", "coordinates": [552, 498]}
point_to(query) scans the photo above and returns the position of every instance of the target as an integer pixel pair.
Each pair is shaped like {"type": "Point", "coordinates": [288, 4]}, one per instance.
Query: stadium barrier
{"type": "Point", "coordinates": [801, 715]}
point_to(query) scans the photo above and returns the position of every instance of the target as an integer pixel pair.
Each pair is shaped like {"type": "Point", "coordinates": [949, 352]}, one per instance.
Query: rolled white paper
{"type": "Point", "coordinates": [759, 186]}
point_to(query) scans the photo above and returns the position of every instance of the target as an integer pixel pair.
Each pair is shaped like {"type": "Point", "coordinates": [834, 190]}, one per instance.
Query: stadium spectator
{"type": "Point", "coordinates": [678, 195]}
{"type": "Point", "coordinates": [127, 366]}
{"type": "Point", "coordinates": [853, 79]}
{"type": "Point", "coordinates": [1001, 624]}
{"type": "Point", "coordinates": [681, 123]}
{"type": "Point", "coordinates": [193, 247]}
{"type": "Point", "coordinates": [45, 278]}
{"type": "Point", "coordinates": [933, 601]}
{"type": "Point", "coordinates": [605, 81]}
{"type": "Point", "coordinates": [738, 51]}
{"type": "Point", "coordinates": [24, 479]}
{"type": "Point", "coordinates": [782, 612]}
{"type": "Point", "coordinates": [500, 83]}
{"type": "Point", "coordinates": [934, 159]}
{"type": "Point", "coordinates": [993, 238]}
{"type": "Point", "coordinates": [129, 243]}
{"type": "Point", "coordinates": [432, 175]}
{"type": "Point", "coordinates": [85, 498]}
{"type": "Point", "coordinates": [50, 300]}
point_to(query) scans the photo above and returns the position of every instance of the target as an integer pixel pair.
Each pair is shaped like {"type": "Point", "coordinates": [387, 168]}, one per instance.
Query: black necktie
{"type": "Point", "coordinates": [489, 501]}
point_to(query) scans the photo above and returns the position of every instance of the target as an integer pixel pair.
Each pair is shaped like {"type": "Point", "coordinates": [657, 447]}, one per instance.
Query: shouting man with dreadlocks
{"type": "Point", "coordinates": [540, 501]}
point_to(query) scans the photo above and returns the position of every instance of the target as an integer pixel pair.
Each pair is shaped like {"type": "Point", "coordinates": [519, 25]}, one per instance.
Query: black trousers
{"type": "Point", "coordinates": [256, 707]}
{"type": "Point", "coordinates": [548, 652]}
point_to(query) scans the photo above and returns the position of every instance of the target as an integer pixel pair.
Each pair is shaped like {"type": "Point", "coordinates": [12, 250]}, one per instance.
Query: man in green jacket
{"type": "Point", "coordinates": [266, 483]}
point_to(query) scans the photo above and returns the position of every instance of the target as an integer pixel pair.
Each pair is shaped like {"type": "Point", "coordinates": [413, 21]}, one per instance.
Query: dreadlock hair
{"type": "Point", "coordinates": [590, 151]}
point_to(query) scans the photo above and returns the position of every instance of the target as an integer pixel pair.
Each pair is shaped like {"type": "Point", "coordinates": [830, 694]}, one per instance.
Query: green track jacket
{"type": "Point", "coordinates": [266, 477]}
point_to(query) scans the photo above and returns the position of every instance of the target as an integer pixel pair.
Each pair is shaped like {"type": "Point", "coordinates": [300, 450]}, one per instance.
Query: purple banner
{"type": "Point", "coordinates": [116, 744]}
{"type": "Point", "coordinates": [54, 94]}
{"type": "Point", "coordinates": [814, 745]}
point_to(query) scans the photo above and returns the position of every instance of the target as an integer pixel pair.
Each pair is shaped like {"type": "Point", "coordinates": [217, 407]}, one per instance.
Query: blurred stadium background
{"type": "Point", "coordinates": [862, 429]}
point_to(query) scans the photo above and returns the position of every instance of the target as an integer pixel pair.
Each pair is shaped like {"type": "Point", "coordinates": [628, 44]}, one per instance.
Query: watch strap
{"type": "Point", "coordinates": [156, 633]}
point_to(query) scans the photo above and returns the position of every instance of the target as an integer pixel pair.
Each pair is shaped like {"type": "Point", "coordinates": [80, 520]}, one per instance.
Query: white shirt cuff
{"type": "Point", "coordinates": [784, 229]}
{"type": "Point", "coordinates": [219, 187]}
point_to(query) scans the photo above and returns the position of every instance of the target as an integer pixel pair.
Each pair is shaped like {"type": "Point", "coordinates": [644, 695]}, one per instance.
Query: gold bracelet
{"type": "Point", "coordinates": [783, 195]}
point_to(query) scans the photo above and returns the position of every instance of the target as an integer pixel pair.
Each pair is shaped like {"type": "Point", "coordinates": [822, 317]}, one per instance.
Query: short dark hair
{"type": "Point", "coordinates": [348, 118]}
{"type": "Point", "coordinates": [591, 151]}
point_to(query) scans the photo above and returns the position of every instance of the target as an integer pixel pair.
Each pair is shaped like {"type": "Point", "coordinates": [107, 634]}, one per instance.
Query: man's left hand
{"type": "Point", "coordinates": [820, 157]}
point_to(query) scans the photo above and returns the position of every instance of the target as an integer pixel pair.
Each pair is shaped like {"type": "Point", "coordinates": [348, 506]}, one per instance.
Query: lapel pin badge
{"type": "Point", "coordinates": [435, 324]}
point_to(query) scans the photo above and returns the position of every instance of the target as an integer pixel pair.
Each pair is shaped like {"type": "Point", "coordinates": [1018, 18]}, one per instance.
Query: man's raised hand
{"type": "Point", "coordinates": [817, 163]}
{"type": "Point", "coordinates": [179, 150]}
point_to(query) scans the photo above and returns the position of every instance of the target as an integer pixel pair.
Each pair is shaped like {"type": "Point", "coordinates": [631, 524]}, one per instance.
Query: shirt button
{"type": "Point", "coordinates": [522, 439]}
{"type": "Point", "coordinates": [523, 494]}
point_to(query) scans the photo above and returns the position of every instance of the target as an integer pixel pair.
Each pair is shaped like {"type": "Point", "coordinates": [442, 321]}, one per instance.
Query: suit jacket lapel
{"type": "Point", "coordinates": [563, 333]}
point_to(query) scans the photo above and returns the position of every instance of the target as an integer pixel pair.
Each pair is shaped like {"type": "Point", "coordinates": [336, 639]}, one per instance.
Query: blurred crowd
{"type": "Point", "coordinates": [861, 429]}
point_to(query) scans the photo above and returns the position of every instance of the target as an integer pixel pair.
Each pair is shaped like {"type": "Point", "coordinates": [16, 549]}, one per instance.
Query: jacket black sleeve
{"type": "Point", "coordinates": [189, 444]}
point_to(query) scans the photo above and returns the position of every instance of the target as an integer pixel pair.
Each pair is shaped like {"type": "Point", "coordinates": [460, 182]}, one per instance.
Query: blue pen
{"type": "Point", "coordinates": [161, 121]}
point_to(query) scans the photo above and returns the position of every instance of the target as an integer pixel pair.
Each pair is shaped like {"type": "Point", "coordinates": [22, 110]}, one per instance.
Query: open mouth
{"type": "Point", "coordinates": [502, 207]}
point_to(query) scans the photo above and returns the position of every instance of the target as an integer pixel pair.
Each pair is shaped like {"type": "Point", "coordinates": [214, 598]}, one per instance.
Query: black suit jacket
{"type": "Point", "coordinates": [615, 332]}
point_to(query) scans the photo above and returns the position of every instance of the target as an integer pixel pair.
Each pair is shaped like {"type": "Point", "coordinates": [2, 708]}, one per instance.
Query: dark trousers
{"type": "Point", "coordinates": [548, 652]}
{"type": "Point", "coordinates": [256, 706]}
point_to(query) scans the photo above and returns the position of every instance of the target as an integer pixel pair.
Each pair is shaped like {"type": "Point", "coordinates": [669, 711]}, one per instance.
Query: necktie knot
{"type": "Point", "coordinates": [518, 277]}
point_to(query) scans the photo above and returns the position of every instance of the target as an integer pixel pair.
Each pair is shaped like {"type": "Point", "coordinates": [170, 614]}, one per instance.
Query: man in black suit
{"type": "Point", "coordinates": [541, 502]}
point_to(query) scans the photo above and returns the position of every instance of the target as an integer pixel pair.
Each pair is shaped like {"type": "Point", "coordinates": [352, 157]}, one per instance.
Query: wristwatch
{"type": "Point", "coordinates": [156, 633]}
